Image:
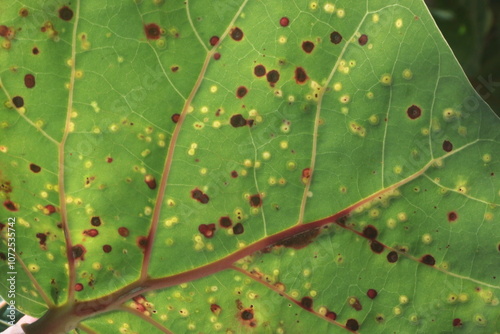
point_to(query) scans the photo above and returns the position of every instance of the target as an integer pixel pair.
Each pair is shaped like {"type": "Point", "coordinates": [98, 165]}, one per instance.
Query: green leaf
{"type": "Point", "coordinates": [244, 166]}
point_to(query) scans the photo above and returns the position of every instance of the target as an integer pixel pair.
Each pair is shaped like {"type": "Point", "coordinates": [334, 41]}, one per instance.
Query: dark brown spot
{"type": "Point", "coordinates": [225, 222]}
{"type": "Point", "coordinates": [236, 34]}
{"type": "Point", "coordinates": [335, 37]}
{"type": "Point", "coordinates": [299, 240]}
{"type": "Point", "coordinates": [234, 174]}
{"type": "Point", "coordinates": [414, 112]}
{"type": "Point", "coordinates": [241, 92]}
{"type": "Point", "coordinates": [362, 40]}
{"type": "Point", "coordinates": [331, 315]}
{"type": "Point", "coordinates": [352, 324]}
{"type": "Point", "coordinates": [142, 242]}
{"type": "Point", "coordinates": [355, 304]}
{"type": "Point", "coordinates": [175, 118]}
{"type": "Point", "coordinates": [4, 30]}
{"type": "Point", "coordinates": [307, 46]}
{"type": "Point", "coordinates": [198, 195]}
{"type": "Point", "coordinates": [259, 70]}
{"type": "Point", "coordinates": [207, 230]}
{"type": "Point", "coordinates": [392, 257]}
{"type": "Point", "coordinates": [91, 233]}
{"type": "Point", "coordinates": [78, 287]}
{"type": "Point", "coordinates": [255, 201]}
{"type": "Point", "coordinates": [49, 209]}
{"type": "Point", "coordinates": [35, 51]}
{"type": "Point", "coordinates": [447, 146]}
{"type": "Point", "coordinates": [35, 168]}
{"type": "Point", "coordinates": [65, 13]}
{"type": "Point", "coordinates": [18, 101]}
{"type": "Point", "coordinates": [370, 232]}
{"type": "Point", "coordinates": [174, 68]}
{"type": "Point", "coordinates": [42, 237]}
{"type": "Point", "coordinates": [9, 205]}
{"type": "Point", "coordinates": [284, 22]}
{"type": "Point", "coordinates": [152, 31]}
{"type": "Point", "coordinates": [237, 121]}
{"type": "Point", "coordinates": [247, 314]}
{"type": "Point", "coordinates": [78, 252]}
{"type": "Point", "coordinates": [3, 257]}
{"type": "Point", "coordinates": [273, 77]}
{"type": "Point", "coordinates": [23, 12]}
{"type": "Point", "coordinates": [376, 247]}
{"type": "Point", "coordinates": [300, 75]}
{"type": "Point", "coordinates": [457, 322]}
{"type": "Point", "coordinates": [123, 231]}
{"type": "Point", "coordinates": [217, 56]}
{"type": "Point", "coordinates": [95, 221]}
{"type": "Point", "coordinates": [238, 228]}
{"type": "Point", "coordinates": [29, 80]}
{"type": "Point", "coordinates": [107, 248]}
{"type": "Point", "coordinates": [452, 216]}
{"type": "Point", "coordinates": [215, 309]}
{"type": "Point", "coordinates": [372, 293]}
{"type": "Point", "coordinates": [428, 260]}
{"type": "Point", "coordinates": [150, 181]}
{"type": "Point", "coordinates": [306, 175]}
{"type": "Point", "coordinates": [214, 40]}
{"type": "Point", "coordinates": [307, 303]}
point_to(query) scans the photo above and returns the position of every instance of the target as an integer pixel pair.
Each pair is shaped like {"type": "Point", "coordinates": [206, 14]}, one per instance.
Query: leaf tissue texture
{"type": "Point", "coordinates": [244, 166]}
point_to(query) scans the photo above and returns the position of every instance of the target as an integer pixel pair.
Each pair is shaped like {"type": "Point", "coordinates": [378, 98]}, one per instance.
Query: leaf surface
{"type": "Point", "coordinates": [245, 166]}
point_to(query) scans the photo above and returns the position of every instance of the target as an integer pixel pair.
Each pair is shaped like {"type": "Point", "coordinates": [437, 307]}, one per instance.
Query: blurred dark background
{"type": "Point", "coordinates": [472, 28]}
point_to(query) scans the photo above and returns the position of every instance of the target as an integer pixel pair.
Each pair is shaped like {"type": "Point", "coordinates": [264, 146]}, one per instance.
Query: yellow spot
{"type": "Point", "coordinates": [282, 40]}
{"type": "Point", "coordinates": [71, 127]}
{"type": "Point", "coordinates": [487, 157]}
{"type": "Point", "coordinates": [285, 127]}
{"type": "Point", "coordinates": [375, 18]}
{"type": "Point", "coordinates": [344, 110]}
{"type": "Point", "coordinates": [345, 99]}
{"type": "Point", "coordinates": [88, 164]}
{"type": "Point", "coordinates": [284, 144]}
{"type": "Point", "coordinates": [352, 63]}
{"type": "Point", "coordinates": [488, 216]}
{"type": "Point", "coordinates": [343, 189]}
{"type": "Point", "coordinates": [480, 320]}
{"type": "Point", "coordinates": [337, 86]}
{"type": "Point", "coordinates": [120, 59]}
{"type": "Point", "coordinates": [374, 213]}
{"type": "Point", "coordinates": [462, 189]}
{"type": "Point", "coordinates": [340, 13]}
{"type": "Point", "coordinates": [203, 171]}
{"type": "Point", "coordinates": [33, 267]}
{"type": "Point", "coordinates": [204, 110]}
{"type": "Point", "coordinates": [407, 74]}
{"type": "Point", "coordinates": [291, 98]}
{"type": "Point", "coordinates": [198, 125]}
{"type": "Point", "coordinates": [266, 155]}
{"type": "Point", "coordinates": [96, 266]}
{"type": "Point", "coordinates": [462, 130]}
{"type": "Point", "coordinates": [213, 89]}
{"type": "Point", "coordinates": [313, 5]}
{"type": "Point", "coordinates": [357, 129]}
{"type": "Point", "coordinates": [257, 164]}
{"type": "Point", "coordinates": [145, 153]}
{"type": "Point", "coordinates": [386, 80]}
{"type": "Point", "coordinates": [370, 95]}
{"type": "Point", "coordinates": [398, 169]}
{"type": "Point", "coordinates": [397, 310]}
{"type": "Point", "coordinates": [402, 217]}
{"type": "Point", "coordinates": [463, 297]}
{"type": "Point", "coordinates": [391, 223]}
{"type": "Point", "coordinates": [399, 23]}
{"type": "Point", "coordinates": [50, 256]}
{"type": "Point", "coordinates": [272, 181]}
{"type": "Point", "coordinates": [247, 163]}
{"type": "Point", "coordinates": [374, 120]}
{"type": "Point", "coordinates": [329, 8]}
{"type": "Point", "coordinates": [291, 165]}
{"type": "Point", "coordinates": [427, 238]}
{"type": "Point", "coordinates": [79, 74]}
